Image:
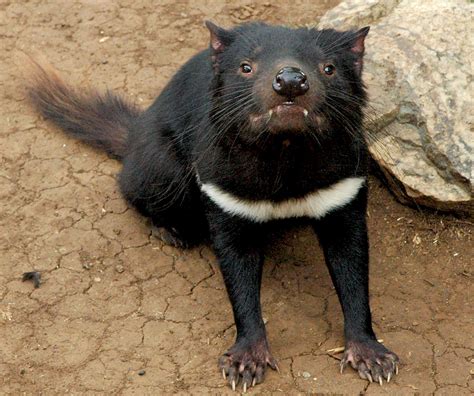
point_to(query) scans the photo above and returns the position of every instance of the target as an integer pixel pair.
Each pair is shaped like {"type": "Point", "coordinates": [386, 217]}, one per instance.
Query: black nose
{"type": "Point", "coordinates": [290, 82]}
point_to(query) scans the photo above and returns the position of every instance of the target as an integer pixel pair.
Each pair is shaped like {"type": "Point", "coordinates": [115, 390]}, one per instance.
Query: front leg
{"type": "Point", "coordinates": [343, 236]}
{"type": "Point", "coordinates": [238, 246]}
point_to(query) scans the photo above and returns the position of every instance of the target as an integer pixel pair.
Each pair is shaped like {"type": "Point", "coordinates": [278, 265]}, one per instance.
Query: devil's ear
{"type": "Point", "coordinates": [358, 48]}
{"type": "Point", "coordinates": [220, 38]}
{"type": "Point", "coordinates": [358, 42]}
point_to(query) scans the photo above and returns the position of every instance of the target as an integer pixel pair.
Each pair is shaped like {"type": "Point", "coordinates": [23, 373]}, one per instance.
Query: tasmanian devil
{"type": "Point", "coordinates": [264, 125]}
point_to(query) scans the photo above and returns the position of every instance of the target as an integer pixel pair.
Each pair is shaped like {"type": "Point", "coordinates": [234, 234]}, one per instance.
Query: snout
{"type": "Point", "coordinates": [290, 82]}
{"type": "Point", "coordinates": [289, 97]}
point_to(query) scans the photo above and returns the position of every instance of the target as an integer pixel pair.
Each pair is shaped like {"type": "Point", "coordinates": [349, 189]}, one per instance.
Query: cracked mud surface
{"type": "Point", "coordinates": [115, 301]}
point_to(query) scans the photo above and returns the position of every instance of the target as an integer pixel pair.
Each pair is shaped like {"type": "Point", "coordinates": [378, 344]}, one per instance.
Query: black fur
{"type": "Point", "coordinates": [211, 123]}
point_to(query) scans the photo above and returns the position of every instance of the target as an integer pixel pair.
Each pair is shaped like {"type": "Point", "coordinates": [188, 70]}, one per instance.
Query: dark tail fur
{"type": "Point", "coordinates": [101, 120]}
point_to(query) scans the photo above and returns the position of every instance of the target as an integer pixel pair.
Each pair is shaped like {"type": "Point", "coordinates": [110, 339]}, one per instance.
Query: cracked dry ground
{"type": "Point", "coordinates": [116, 301]}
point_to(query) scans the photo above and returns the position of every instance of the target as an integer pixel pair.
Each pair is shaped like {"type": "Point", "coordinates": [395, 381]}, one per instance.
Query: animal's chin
{"type": "Point", "coordinates": [285, 117]}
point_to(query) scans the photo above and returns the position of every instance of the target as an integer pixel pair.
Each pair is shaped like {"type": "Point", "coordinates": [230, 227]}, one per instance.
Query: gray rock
{"type": "Point", "coordinates": [418, 70]}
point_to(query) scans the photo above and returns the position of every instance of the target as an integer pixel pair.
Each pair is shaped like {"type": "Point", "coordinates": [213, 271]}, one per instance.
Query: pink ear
{"type": "Point", "coordinates": [217, 36]}
{"type": "Point", "coordinates": [358, 44]}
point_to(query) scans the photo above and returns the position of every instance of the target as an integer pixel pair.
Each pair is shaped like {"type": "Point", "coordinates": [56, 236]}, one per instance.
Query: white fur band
{"type": "Point", "coordinates": [314, 205]}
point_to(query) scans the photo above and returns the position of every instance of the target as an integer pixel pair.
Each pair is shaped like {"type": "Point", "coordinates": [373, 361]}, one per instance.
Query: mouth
{"type": "Point", "coordinates": [284, 117]}
{"type": "Point", "coordinates": [288, 110]}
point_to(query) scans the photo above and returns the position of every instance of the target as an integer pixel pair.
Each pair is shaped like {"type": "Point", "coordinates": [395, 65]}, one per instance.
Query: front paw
{"type": "Point", "coordinates": [246, 362]}
{"type": "Point", "coordinates": [371, 359]}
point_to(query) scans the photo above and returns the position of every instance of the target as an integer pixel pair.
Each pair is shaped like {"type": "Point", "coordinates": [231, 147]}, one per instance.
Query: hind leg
{"type": "Point", "coordinates": [170, 237]}
{"type": "Point", "coordinates": [161, 188]}
{"type": "Point", "coordinates": [183, 225]}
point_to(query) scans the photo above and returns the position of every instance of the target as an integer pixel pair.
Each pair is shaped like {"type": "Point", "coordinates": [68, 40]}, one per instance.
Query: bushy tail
{"type": "Point", "coordinates": [101, 120]}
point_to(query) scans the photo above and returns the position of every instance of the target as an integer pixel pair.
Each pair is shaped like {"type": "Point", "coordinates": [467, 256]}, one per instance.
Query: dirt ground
{"type": "Point", "coordinates": [115, 301]}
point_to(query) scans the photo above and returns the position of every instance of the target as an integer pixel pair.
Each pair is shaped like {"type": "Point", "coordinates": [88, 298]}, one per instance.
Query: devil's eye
{"type": "Point", "coordinates": [246, 68]}
{"type": "Point", "coordinates": [329, 69]}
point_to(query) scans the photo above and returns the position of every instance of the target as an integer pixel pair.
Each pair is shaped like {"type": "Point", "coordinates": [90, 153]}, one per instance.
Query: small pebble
{"type": "Point", "coordinates": [34, 276]}
{"type": "Point", "coordinates": [22, 371]}
{"type": "Point", "coordinates": [416, 239]}
{"type": "Point", "coordinates": [119, 268]}
{"type": "Point", "coordinates": [87, 266]}
{"type": "Point", "coordinates": [141, 372]}
{"type": "Point", "coordinates": [306, 374]}
{"type": "Point", "coordinates": [97, 279]}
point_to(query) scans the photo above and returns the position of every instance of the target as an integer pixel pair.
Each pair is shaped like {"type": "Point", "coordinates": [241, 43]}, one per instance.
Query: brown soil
{"type": "Point", "coordinates": [116, 301]}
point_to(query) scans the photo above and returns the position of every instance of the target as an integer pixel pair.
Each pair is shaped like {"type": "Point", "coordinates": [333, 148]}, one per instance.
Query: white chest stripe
{"type": "Point", "coordinates": [314, 205]}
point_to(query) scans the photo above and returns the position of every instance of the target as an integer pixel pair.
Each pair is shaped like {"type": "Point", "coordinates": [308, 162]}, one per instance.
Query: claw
{"type": "Point", "coordinates": [233, 385]}
{"type": "Point", "coordinates": [388, 377]}
{"type": "Point", "coordinates": [223, 374]}
{"type": "Point", "coordinates": [245, 387]}
{"type": "Point", "coordinates": [342, 367]}
{"type": "Point", "coordinates": [254, 381]}
{"type": "Point", "coordinates": [380, 381]}
{"type": "Point", "coordinates": [273, 364]}
{"type": "Point", "coordinates": [369, 377]}
{"type": "Point", "coordinates": [396, 369]}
